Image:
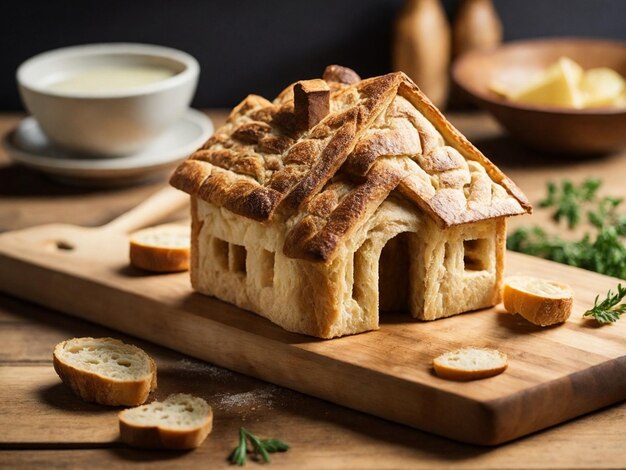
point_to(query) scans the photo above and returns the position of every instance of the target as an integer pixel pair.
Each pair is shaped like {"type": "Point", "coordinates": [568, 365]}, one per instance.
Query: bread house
{"type": "Point", "coordinates": [343, 198]}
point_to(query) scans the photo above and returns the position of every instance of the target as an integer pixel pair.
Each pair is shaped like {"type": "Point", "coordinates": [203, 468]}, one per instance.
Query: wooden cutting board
{"type": "Point", "coordinates": [554, 373]}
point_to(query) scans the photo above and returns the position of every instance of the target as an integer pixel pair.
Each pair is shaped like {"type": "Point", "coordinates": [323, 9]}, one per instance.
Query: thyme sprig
{"type": "Point", "coordinates": [259, 447]}
{"type": "Point", "coordinates": [609, 310]}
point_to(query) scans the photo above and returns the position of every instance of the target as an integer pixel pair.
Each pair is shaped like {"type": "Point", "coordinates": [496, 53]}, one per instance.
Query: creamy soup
{"type": "Point", "coordinates": [111, 78]}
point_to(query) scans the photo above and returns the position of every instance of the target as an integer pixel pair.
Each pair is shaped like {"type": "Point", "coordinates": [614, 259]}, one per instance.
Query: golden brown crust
{"type": "Point", "coordinates": [541, 310]}
{"type": "Point", "coordinates": [92, 387]}
{"type": "Point", "coordinates": [339, 74]}
{"type": "Point", "coordinates": [146, 252]}
{"type": "Point", "coordinates": [331, 158]}
{"type": "Point", "coordinates": [517, 204]}
{"type": "Point", "coordinates": [252, 132]}
{"type": "Point", "coordinates": [159, 259]}
{"type": "Point", "coordinates": [237, 193]}
{"type": "Point", "coordinates": [235, 174]}
{"type": "Point", "coordinates": [262, 161]}
{"type": "Point", "coordinates": [465, 375]}
{"type": "Point", "coordinates": [189, 176]}
{"type": "Point", "coordinates": [382, 143]}
{"type": "Point", "coordinates": [157, 437]}
{"type": "Point", "coordinates": [329, 222]}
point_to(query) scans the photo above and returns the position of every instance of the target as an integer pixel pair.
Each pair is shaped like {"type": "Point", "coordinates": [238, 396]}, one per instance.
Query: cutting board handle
{"type": "Point", "coordinates": [150, 211]}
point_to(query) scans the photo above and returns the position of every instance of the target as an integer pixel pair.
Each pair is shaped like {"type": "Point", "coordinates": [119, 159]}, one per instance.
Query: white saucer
{"type": "Point", "coordinates": [28, 145]}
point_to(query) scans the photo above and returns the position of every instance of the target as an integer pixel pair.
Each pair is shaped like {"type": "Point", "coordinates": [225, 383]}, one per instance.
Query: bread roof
{"type": "Point", "coordinates": [380, 134]}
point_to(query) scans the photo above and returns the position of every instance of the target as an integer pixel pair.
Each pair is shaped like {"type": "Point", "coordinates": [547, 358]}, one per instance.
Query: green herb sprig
{"type": "Point", "coordinates": [606, 254]}
{"type": "Point", "coordinates": [605, 215]}
{"type": "Point", "coordinates": [259, 447]}
{"type": "Point", "coordinates": [603, 251]}
{"type": "Point", "coordinates": [609, 310]}
{"type": "Point", "coordinates": [568, 199]}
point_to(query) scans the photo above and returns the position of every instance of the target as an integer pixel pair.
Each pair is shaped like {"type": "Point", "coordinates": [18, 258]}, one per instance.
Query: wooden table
{"type": "Point", "coordinates": [43, 425]}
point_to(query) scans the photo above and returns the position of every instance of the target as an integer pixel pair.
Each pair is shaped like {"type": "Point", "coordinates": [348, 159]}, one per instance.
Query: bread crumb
{"type": "Point", "coordinates": [215, 373]}
{"type": "Point", "coordinates": [262, 398]}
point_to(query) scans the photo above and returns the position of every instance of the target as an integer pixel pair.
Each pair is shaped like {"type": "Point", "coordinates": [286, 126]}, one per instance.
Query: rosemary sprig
{"type": "Point", "coordinates": [238, 455]}
{"type": "Point", "coordinates": [261, 447]}
{"type": "Point", "coordinates": [609, 310]}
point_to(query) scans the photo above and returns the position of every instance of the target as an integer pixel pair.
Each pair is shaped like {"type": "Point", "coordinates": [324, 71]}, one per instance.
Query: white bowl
{"type": "Point", "coordinates": [112, 123]}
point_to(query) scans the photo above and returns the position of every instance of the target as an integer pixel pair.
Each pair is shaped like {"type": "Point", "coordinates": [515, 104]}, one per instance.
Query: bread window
{"type": "Point", "coordinates": [475, 254]}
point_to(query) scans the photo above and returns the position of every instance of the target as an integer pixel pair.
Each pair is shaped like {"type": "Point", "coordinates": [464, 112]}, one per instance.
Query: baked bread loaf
{"type": "Point", "coordinates": [300, 205]}
{"type": "Point", "coordinates": [105, 370]}
{"type": "Point", "coordinates": [179, 422]}
{"type": "Point", "coordinates": [470, 363]}
{"type": "Point", "coordinates": [164, 248]}
{"type": "Point", "coordinates": [539, 301]}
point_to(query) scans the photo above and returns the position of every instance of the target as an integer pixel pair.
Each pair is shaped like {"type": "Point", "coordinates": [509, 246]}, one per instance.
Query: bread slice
{"type": "Point", "coordinates": [164, 248]}
{"type": "Point", "coordinates": [105, 370]}
{"type": "Point", "coordinates": [179, 422]}
{"type": "Point", "coordinates": [539, 301]}
{"type": "Point", "coordinates": [470, 363]}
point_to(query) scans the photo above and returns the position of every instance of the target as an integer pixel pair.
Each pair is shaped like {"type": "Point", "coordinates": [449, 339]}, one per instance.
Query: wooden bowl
{"type": "Point", "coordinates": [546, 128]}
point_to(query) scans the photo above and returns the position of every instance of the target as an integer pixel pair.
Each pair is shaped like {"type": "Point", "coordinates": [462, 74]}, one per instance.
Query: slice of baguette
{"type": "Point", "coordinates": [539, 301]}
{"type": "Point", "coordinates": [179, 422]}
{"type": "Point", "coordinates": [105, 370]}
{"type": "Point", "coordinates": [164, 248]}
{"type": "Point", "coordinates": [470, 363]}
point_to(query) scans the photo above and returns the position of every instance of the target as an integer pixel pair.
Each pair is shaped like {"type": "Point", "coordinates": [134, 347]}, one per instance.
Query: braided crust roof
{"type": "Point", "coordinates": [381, 134]}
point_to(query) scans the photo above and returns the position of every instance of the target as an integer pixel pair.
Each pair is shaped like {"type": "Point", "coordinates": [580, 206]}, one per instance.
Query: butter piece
{"type": "Point", "coordinates": [602, 87]}
{"type": "Point", "coordinates": [557, 86]}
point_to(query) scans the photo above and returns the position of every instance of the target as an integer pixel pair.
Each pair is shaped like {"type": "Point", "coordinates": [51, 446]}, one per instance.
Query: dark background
{"type": "Point", "coordinates": [259, 46]}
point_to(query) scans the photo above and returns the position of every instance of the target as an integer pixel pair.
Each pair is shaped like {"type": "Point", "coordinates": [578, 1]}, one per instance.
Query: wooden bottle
{"type": "Point", "coordinates": [476, 26]}
{"type": "Point", "coordinates": [421, 47]}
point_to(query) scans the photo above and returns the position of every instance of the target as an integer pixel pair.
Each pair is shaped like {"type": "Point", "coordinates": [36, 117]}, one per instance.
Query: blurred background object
{"type": "Point", "coordinates": [421, 47]}
{"type": "Point", "coordinates": [105, 84]}
{"type": "Point", "coordinates": [476, 27]}
{"type": "Point", "coordinates": [562, 130]}
{"type": "Point", "coordinates": [248, 46]}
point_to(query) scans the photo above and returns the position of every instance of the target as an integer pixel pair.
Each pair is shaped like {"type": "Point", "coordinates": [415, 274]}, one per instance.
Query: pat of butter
{"type": "Point", "coordinates": [602, 87]}
{"type": "Point", "coordinates": [558, 86]}
{"type": "Point", "coordinates": [565, 84]}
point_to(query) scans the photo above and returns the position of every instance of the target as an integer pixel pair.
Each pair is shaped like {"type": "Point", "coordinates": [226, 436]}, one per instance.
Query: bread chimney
{"type": "Point", "coordinates": [311, 102]}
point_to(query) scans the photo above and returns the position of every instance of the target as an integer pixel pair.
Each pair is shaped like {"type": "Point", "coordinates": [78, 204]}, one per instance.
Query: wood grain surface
{"type": "Point", "coordinates": [322, 435]}
{"type": "Point", "coordinates": [558, 372]}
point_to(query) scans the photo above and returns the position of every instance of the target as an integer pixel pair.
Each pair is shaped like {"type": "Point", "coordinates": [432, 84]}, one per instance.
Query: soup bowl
{"type": "Point", "coordinates": [112, 121]}
{"type": "Point", "coordinates": [546, 128]}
